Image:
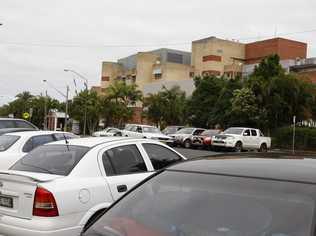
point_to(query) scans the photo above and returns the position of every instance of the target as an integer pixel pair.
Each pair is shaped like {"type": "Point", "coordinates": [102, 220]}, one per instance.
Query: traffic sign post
{"type": "Point", "coordinates": [293, 142]}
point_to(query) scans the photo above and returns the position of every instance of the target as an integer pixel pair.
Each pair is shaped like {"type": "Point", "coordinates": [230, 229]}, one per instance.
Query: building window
{"type": "Point", "coordinates": [175, 58]}
{"type": "Point", "coordinates": [158, 76]}
{"type": "Point", "coordinates": [211, 73]}
{"type": "Point", "coordinates": [191, 74]}
{"type": "Point", "coordinates": [105, 78]}
{"type": "Point", "coordinates": [212, 58]}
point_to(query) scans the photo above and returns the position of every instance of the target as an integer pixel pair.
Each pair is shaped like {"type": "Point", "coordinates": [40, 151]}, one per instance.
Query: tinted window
{"type": "Point", "coordinates": [6, 124]}
{"type": "Point", "coordinates": [123, 160]}
{"type": "Point", "coordinates": [192, 204]}
{"type": "Point", "coordinates": [160, 157]}
{"type": "Point", "coordinates": [6, 141]}
{"type": "Point", "coordinates": [37, 141]}
{"type": "Point", "coordinates": [253, 132]}
{"type": "Point", "coordinates": [247, 132]}
{"type": "Point", "coordinates": [198, 131]}
{"type": "Point", "coordinates": [52, 159]}
{"type": "Point", "coordinates": [185, 131]}
{"type": "Point", "coordinates": [23, 124]}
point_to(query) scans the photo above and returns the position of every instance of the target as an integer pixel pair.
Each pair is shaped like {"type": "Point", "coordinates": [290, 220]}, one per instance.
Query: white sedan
{"type": "Point", "coordinates": [59, 188]}
{"type": "Point", "coordinates": [13, 146]}
{"type": "Point", "coordinates": [108, 132]}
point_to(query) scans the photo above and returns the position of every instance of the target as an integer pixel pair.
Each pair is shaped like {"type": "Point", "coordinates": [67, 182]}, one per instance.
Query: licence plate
{"type": "Point", "coordinates": [6, 201]}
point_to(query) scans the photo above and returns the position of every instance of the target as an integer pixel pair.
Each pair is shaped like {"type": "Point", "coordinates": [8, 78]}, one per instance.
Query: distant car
{"type": "Point", "coordinates": [240, 139]}
{"type": "Point", "coordinates": [205, 138]}
{"type": "Point", "coordinates": [11, 125]}
{"type": "Point", "coordinates": [59, 188]}
{"type": "Point", "coordinates": [240, 197]}
{"type": "Point", "coordinates": [184, 136]}
{"type": "Point", "coordinates": [172, 129]}
{"type": "Point", "coordinates": [146, 131]}
{"type": "Point", "coordinates": [108, 132]}
{"type": "Point", "coordinates": [14, 146]}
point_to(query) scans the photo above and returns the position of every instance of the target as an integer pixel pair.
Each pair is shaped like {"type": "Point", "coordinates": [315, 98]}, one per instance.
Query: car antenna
{"type": "Point", "coordinates": [66, 141]}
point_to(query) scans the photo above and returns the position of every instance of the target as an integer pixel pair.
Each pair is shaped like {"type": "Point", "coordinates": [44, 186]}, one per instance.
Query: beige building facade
{"type": "Point", "coordinates": [214, 56]}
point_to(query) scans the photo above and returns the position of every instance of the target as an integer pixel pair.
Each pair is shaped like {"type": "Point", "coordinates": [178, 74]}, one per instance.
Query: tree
{"type": "Point", "coordinates": [167, 107]}
{"type": "Point", "coordinates": [86, 103]}
{"type": "Point", "coordinates": [210, 103]}
{"type": "Point", "coordinates": [279, 95]}
{"type": "Point", "coordinates": [119, 100]}
{"type": "Point", "coordinates": [244, 108]}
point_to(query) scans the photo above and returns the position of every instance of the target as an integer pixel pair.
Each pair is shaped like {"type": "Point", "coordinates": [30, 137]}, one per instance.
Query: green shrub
{"type": "Point", "coordinates": [305, 138]}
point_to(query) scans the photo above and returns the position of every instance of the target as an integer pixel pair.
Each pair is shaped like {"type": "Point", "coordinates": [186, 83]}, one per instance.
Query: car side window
{"type": "Point", "coordinates": [160, 156]}
{"type": "Point", "coordinates": [23, 124]}
{"type": "Point", "coordinates": [6, 124]}
{"type": "Point", "coordinates": [247, 132]}
{"type": "Point", "coordinates": [253, 132]}
{"type": "Point", "coordinates": [37, 141]}
{"type": "Point", "coordinates": [123, 160]}
{"type": "Point", "coordinates": [134, 129]}
{"type": "Point", "coordinates": [198, 132]}
{"type": "Point", "coordinates": [139, 129]}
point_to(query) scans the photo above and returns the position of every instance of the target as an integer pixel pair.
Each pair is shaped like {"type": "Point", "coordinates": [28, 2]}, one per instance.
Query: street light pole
{"type": "Point", "coordinates": [87, 90]}
{"type": "Point", "coordinates": [66, 97]}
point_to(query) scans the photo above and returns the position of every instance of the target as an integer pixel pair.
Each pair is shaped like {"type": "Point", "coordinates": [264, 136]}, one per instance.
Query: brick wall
{"type": "Point", "coordinates": [286, 49]}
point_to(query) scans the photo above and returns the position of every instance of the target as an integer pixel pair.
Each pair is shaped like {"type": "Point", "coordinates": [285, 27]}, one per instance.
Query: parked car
{"type": "Point", "coordinates": [108, 132]}
{"type": "Point", "coordinates": [218, 197]}
{"type": "Point", "coordinates": [58, 188]}
{"type": "Point", "coordinates": [184, 136]}
{"type": "Point", "coordinates": [241, 139]}
{"type": "Point", "coordinates": [13, 146]}
{"type": "Point", "coordinates": [205, 138]}
{"type": "Point", "coordinates": [169, 130]}
{"type": "Point", "coordinates": [8, 125]}
{"type": "Point", "coordinates": [146, 131]}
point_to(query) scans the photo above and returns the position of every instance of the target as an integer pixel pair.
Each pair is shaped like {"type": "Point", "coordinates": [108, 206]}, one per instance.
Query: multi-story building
{"type": "Point", "coordinates": [214, 56]}
{"type": "Point", "coordinates": [305, 68]}
{"type": "Point", "coordinates": [145, 68]}
{"type": "Point", "coordinates": [289, 52]}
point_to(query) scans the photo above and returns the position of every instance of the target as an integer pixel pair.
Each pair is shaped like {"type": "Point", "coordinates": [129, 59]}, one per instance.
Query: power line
{"type": "Point", "coordinates": [65, 45]}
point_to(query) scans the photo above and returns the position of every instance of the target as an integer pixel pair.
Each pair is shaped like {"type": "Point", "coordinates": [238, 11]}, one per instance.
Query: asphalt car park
{"type": "Point", "coordinates": [195, 153]}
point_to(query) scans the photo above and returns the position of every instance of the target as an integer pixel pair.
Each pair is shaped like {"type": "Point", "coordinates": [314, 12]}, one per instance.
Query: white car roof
{"type": "Point", "coordinates": [91, 141]}
{"type": "Point", "coordinates": [34, 133]}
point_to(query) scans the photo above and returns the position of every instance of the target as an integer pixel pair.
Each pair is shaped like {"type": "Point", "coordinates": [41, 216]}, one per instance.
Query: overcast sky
{"type": "Point", "coordinates": [39, 38]}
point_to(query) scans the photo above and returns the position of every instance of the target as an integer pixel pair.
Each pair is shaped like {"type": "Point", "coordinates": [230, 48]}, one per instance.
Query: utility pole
{"type": "Point", "coordinates": [87, 90]}
{"type": "Point", "coordinates": [293, 142]}
{"type": "Point", "coordinates": [66, 113]}
{"type": "Point", "coordinates": [45, 111]}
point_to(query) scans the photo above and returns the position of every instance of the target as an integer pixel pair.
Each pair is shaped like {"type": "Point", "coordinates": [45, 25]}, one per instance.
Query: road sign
{"type": "Point", "coordinates": [26, 115]}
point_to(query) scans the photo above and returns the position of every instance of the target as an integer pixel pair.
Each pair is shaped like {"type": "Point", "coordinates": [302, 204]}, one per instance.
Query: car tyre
{"type": "Point", "coordinates": [263, 148]}
{"type": "Point", "coordinates": [238, 147]}
{"type": "Point", "coordinates": [187, 143]}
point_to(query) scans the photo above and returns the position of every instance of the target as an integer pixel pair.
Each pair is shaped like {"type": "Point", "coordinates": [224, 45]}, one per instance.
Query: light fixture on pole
{"type": "Point", "coordinates": [87, 90]}
{"type": "Point", "coordinates": [66, 96]}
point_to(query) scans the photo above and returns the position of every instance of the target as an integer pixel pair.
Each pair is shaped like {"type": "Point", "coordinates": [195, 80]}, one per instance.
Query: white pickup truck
{"type": "Point", "coordinates": [242, 139]}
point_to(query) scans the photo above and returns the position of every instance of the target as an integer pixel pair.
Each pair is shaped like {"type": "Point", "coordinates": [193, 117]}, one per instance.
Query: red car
{"type": "Point", "coordinates": [204, 139]}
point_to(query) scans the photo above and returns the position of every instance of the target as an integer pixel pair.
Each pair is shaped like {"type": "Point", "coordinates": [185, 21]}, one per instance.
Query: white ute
{"type": "Point", "coordinates": [242, 139]}
{"type": "Point", "coordinates": [58, 188]}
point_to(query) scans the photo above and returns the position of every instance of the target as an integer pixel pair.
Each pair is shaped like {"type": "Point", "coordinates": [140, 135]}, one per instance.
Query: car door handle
{"type": "Point", "coordinates": [121, 188]}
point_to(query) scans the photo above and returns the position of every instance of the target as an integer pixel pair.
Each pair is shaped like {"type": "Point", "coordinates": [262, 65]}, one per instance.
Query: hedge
{"type": "Point", "coordinates": [305, 138]}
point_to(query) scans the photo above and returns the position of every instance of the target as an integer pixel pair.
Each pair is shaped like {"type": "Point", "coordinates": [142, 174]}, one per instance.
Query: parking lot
{"type": "Point", "coordinates": [195, 153]}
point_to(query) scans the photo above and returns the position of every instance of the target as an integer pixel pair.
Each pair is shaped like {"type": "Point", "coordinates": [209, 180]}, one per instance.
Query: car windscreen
{"type": "Point", "coordinates": [150, 130]}
{"type": "Point", "coordinates": [51, 159]}
{"type": "Point", "coordinates": [236, 131]}
{"type": "Point", "coordinates": [194, 204]}
{"type": "Point", "coordinates": [209, 133]}
{"type": "Point", "coordinates": [6, 141]}
{"type": "Point", "coordinates": [185, 131]}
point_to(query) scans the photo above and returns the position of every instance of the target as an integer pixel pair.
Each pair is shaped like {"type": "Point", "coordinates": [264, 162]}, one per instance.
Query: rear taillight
{"type": "Point", "coordinates": [44, 203]}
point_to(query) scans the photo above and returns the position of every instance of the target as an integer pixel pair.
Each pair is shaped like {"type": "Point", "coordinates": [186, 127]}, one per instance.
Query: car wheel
{"type": "Point", "coordinates": [187, 143]}
{"type": "Point", "coordinates": [263, 148]}
{"type": "Point", "coordinates": [238, 147]}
